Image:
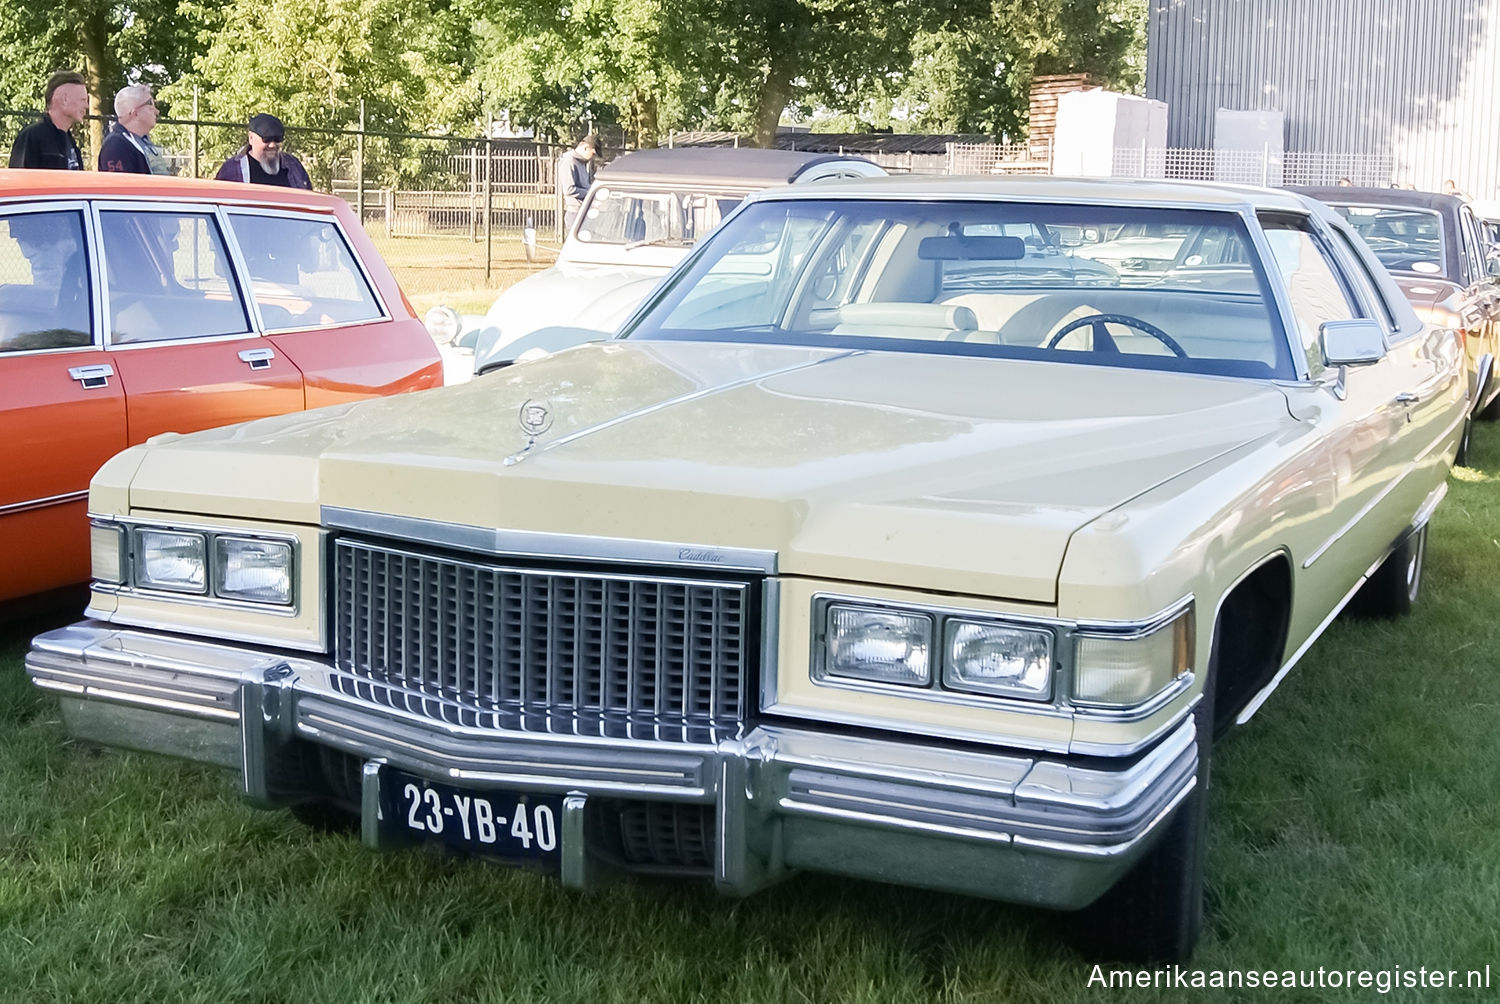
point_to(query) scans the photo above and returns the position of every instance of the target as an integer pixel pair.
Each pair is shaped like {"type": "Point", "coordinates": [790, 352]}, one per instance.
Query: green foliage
{"type": "Point", "coordinates": [312, 62]}
{"type": "Point", "coordinates": [654, 65]}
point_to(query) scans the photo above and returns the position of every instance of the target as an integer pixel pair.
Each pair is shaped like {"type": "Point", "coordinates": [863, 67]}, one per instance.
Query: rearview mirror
{"type": "Point", "coordinates": [1351, 343]}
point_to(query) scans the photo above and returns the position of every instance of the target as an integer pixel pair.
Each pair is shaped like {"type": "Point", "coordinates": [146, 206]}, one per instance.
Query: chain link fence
{"type": "Point", "coordinates": [457, 218]}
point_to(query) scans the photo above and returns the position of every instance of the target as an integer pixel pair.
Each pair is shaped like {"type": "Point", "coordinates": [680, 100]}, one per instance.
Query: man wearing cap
{"type": "Point", "coordinates": [261, 161]}
{"type": "Point", "coordinates": [48, 143]}
{"type": "Point", "coordinates": [128, 148]}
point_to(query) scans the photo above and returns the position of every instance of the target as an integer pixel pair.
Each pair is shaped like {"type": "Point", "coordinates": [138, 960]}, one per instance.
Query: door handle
{"type": "Point", "coordinates": [259, 359]}
{"type": "Point", "coordinates": [92, 377]}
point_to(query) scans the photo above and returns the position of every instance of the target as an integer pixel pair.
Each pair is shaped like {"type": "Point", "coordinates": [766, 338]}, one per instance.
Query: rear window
{"type": "Point", "coordinates": [1405, 239]}
{"type": "Point", "coordinates": [302, 273]}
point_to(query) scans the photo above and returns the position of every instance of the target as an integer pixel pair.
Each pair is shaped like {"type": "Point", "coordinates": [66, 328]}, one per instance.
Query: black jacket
{"type": "Point", "coordinates": [43, 145]}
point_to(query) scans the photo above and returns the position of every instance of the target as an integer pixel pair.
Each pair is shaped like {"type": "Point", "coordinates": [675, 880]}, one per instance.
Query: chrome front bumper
{"type": "Point", "coordinates": [1003, 824]}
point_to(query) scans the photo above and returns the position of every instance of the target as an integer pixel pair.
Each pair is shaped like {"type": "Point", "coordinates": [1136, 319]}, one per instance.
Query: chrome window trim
{"type": "Point", "coordinates": [130, 587]}
{"type": "Point", "coordinates": [292, 214]}
{"type": "Point", "coordinates": [565, 546]}
{"type": "Point", "coordinates": [46, 502]}
{"type": "Point", "coordinates": [236, 277]}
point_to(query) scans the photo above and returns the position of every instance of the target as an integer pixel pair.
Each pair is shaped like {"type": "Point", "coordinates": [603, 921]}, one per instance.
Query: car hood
{"type": "Point", "coordinates": [938, 472]}
{"type": "Point", "coordinates": [595, 299]}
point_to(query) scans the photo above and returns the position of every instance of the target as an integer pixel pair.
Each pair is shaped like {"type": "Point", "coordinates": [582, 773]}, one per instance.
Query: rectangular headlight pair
{"type": "Point", "coordinates": [915, 648]}
{"type": "Point", "coordinates": [900, 647]}
{"type": "Point", "coordinates": [223, 565]}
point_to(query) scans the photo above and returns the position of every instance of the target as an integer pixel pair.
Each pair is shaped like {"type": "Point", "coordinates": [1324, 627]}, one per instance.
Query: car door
{"type": "Point", "coordinates": [62, 407]}
{"type": "Point", "coordinates": [319, 307]}
{"type": "Point", "coordinates": [178, 330]}
{"type": "Point", "coordinates": [1480, 308]}
{"type": "Point", "coordinates": [1365, 436]}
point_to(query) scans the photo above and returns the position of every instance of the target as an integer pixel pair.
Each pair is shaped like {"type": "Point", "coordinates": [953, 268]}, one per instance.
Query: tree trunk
{"type": "Point", "coordinates": [775, 92]}
{"type": "Point", "coordinates": [98, 71]}
{"type": "Point", "coordinates": [645, 115]}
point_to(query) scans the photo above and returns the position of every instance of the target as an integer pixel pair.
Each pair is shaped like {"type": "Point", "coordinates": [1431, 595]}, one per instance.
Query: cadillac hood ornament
{"type": "Point", "coordinates": [534, 418]}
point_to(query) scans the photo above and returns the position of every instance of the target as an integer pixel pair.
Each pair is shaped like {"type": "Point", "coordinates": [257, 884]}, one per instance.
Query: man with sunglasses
{"type": "Point", "coordinates": [262, 161]}
{"type": "Point", "coordinates": [128, 147]}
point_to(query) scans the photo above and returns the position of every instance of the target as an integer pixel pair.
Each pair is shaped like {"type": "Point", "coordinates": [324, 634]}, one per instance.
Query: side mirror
{"type": "Point", "coordinates": [1492, 266]}
{"type": "Point", "coordinates": [1352, 343]}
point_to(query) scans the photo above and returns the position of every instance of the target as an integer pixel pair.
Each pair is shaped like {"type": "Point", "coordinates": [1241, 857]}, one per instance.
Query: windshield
{"type": "Point", "coordinates": [658, 217]}
{"type": "Point", "coordinates": [1403, 238]}
{"type": "Point", "coordinates": [983, 278]}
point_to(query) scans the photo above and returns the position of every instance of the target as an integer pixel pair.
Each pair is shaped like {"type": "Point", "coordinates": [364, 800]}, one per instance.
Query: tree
{"type": "Point", "coordinates": [112, 43]}
{"type": "Point", "coordinates": [312, 63]}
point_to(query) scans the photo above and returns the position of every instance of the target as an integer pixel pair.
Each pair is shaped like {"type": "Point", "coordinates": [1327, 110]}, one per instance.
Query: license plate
{"type": "Point", "coordinates": [507, 824]}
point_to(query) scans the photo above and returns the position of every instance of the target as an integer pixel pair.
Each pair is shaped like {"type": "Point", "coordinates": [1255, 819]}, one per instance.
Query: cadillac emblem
{"type": "Point", "coordinates": [535, 418]}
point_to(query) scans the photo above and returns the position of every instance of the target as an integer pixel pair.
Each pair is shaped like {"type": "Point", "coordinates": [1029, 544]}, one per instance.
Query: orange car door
{"type": "Point", "coordinates": [61, 405]}
{"type": "Point", "coordinates": [179, 331]}
{"type": "Point", "coordinates": [318, 305]}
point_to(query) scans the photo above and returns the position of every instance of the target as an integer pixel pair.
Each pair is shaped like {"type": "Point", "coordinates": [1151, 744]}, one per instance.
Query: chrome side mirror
{"type": "Point", "coordinates": [1352, 343]}
{"type": "Point", "coordinates": [1492, 265]}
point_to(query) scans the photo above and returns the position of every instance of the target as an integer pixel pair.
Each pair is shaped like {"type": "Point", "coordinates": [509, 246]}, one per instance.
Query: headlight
{"type": "Point", "coordinates": [998, 659]}
{"type": "Point", "coordinates": [1123, 671]}
{"type": "Point", "coordinates": [259, 571]}
{"type": "Point", "coordinates": [107, 552]}
{"type": "Point", "coordinates": [881, 645]}
{"type": "Point", "coordinates": [171, 560]}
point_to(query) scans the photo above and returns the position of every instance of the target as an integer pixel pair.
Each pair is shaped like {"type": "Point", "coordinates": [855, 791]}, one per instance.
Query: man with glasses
{"type": "Point", "coordinates": [48, 143]}
{"type": "Point", "coordinates": [128, 148]}
{"type": "Point", "coordinates": [262, 161]}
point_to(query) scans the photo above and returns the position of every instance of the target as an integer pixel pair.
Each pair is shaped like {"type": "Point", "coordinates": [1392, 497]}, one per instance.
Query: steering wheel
{"type": "Point", "coordinates": [1105, 342]}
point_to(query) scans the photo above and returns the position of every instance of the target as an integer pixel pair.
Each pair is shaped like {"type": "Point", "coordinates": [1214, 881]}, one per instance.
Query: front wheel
{"type": "Point", "coordinates": [1154, 914]}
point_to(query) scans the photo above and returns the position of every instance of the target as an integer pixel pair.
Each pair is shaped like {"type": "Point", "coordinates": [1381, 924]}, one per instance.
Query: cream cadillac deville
{"type": "Point", "coordinates": [892, 537]}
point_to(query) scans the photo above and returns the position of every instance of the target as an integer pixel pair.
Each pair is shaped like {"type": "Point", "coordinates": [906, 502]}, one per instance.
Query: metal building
{"type": "Point", "coordinates": [1415, 80]}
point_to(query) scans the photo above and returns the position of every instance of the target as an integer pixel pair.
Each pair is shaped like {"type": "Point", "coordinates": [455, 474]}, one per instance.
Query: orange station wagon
{"type": "Point", "coordinates": [132, 306]}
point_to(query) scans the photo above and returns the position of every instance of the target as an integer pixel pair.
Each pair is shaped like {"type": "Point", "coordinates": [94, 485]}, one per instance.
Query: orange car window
{"type": "Point", "coordinates": [302, 274]}
{"type": "Point", "coordinates": [44, 285]}
{"type": "Point", "coordinates": [168, 276]}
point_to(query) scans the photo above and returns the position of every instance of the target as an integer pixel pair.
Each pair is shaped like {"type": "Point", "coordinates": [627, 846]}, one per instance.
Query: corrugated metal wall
{"type": "Point", "coordinates": [1416, 79]}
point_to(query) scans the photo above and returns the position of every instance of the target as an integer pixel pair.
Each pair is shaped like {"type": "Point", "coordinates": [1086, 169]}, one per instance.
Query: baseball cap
{"type": "Point", "coordinates": [267, 127]}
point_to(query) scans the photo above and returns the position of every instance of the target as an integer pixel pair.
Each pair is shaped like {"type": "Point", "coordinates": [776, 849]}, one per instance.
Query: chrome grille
{"type": "Point", "coordinates": [502, 636]}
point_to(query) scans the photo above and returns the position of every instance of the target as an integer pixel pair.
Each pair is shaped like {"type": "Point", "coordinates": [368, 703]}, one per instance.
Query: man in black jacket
{"type": "Point", "coordinates": [47, 143]}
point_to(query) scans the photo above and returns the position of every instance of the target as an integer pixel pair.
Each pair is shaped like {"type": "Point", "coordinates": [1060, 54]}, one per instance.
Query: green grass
{"type": "Point", "coordinates": [1353, 826]}
{"type": "Point", "coordinates": [450, 270]}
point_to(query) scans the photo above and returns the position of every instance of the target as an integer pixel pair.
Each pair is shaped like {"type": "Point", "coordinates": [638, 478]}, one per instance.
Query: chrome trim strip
{"type": "Point", "coordinates": [1429, 506]}
{"type": "Point", "coordinates": [1317, 632]}
{"type": "Point", "coordinates": [1133, 629]}
{"type": "Point", "coordinates": [531, 544]}
{"type": "Point", "coordinates": [43, 503]}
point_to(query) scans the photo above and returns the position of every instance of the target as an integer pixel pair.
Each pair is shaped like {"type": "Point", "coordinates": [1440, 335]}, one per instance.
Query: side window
{"type": "Point", "coordinates": [1473, 247]}
{"type": "Point", "coordinates": [302, 273]}
{"type": "Point", "coordinates": [1312, 282]}
{"type": "Point", "coordinates": [168, 277]}
{"type": "Point", "coordinates": [44, 282]}
{"type": "Point", "coordinates": [1372, 286]}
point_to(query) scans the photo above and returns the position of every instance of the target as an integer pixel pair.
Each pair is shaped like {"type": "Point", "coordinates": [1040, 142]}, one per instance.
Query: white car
{"type": "Point", "coordinates": [642, 216]}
